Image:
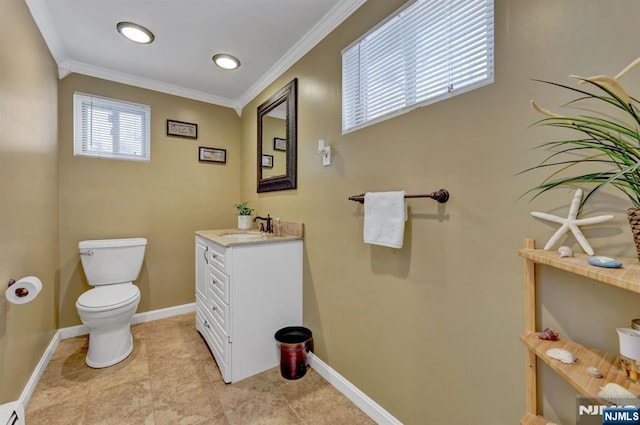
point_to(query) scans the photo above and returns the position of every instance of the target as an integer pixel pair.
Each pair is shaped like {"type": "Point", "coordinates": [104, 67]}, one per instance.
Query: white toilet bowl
{"type": "Point", "coordinates": [111, 266]}
{"type": "Point", "coordinates": [107, 311]}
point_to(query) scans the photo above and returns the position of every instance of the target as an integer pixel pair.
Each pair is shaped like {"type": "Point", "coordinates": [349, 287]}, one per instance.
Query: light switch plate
{"type": "Point", "coordinates": [326, 158]}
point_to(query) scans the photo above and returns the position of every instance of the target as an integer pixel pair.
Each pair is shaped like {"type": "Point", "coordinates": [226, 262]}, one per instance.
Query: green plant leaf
{"type": "Point", "coordinates": [608, 142]}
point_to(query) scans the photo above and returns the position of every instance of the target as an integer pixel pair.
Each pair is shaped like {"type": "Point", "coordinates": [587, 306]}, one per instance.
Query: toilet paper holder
{"type": "Point", "coordinates": [20, 292]}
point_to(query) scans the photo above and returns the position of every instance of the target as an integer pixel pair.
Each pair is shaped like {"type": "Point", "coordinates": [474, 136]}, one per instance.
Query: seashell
{"type": "Point", "coordinates": [608, 262]}
{"type": "Point", "coordinates": [594, 372]}
{"type": "Point", "coordinates": [563, 355]}
{"type": "Point", "coordinates": [548, 334]}
{"type": "Point", "coordinates": [618, 395]}
{"type": "Point", "coordinates": [565, 251]}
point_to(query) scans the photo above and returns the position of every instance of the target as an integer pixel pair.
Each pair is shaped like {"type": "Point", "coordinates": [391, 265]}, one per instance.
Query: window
{"type": "Point", "coordinates": [427, 51]}
{"type": "Point", "coordinates": [110, 128]}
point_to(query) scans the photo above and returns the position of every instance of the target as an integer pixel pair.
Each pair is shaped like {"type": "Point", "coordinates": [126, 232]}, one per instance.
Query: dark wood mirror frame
{"type": "Point", "coordinates": [288, 181]}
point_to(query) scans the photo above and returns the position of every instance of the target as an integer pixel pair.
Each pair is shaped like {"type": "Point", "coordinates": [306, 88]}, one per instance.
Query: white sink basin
{"type": "Point", "coordinates": [242, 235]}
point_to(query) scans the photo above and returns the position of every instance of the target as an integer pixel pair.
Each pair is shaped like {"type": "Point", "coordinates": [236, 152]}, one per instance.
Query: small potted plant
{"type": "Point", "coordinates": [244, 215]}
{"type": "Point", "coordinates": [605, 148]}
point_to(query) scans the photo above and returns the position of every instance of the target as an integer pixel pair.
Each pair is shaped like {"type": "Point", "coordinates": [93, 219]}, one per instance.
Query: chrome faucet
{"type": "Point", "coordinates": [268, 219]}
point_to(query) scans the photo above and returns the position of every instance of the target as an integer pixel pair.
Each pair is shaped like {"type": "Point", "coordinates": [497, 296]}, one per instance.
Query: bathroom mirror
{"type": "Point", "coordinates": [278, 140]}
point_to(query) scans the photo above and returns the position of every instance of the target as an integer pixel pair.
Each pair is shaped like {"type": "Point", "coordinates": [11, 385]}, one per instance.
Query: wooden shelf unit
{"type": "Point", "coordinates": [529, 419]}
{"type": "Point", "coordinates": [627, 277]}
{"type": "Point", "coordinates": [575, 374]}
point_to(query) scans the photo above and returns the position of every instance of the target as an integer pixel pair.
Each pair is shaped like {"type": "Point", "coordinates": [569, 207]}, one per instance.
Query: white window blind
{"type": "Point", "coordinates": [427, 51]}
{"type": "Point", "coordinates": [110, 128]}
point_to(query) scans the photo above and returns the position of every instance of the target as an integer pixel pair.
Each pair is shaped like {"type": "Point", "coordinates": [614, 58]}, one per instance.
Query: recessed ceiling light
{"type": "Point", "coordinates": [226, 61]}
{"type": "Point", "coordinates": [135, 32]}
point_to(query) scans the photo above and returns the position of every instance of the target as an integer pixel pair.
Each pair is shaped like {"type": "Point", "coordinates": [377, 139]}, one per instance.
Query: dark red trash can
{"type": "Point", "coordinates": [295, 342]}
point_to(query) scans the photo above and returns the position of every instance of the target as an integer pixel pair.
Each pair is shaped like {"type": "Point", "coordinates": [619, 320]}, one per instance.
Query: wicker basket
{"type": "Point", "coordinates": [633, 214]}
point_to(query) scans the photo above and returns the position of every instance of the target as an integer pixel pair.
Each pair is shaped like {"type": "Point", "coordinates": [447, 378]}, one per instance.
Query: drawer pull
{"type": "Point", "coordinates": [206, 260]}
{"type": "Point", "coordinates": [206, 324]}
{"type": "Point", "coordinates": [214, 308]}
{"type": "Point", "coordinates": [215, 282]}
{"type": "Point", "coordinates": [214, 256]}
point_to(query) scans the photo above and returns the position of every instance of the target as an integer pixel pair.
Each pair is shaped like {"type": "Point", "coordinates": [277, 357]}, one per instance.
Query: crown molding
{"type": "Point", "coordinates": [145, 83]}
{"type": "Point", "coordinates": [338, 14]}
{"type": "Point", "coordinates": [40, 14]}
{"type": "Point", "coordinates": [66, 66]}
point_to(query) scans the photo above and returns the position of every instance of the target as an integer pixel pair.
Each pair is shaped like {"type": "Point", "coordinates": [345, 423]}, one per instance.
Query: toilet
{"type": "Point", "coordinates": [111, 266]}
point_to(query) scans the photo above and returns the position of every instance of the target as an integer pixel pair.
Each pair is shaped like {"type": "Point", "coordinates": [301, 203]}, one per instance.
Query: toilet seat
{"type": "Point", "coordinates": [108, 297]}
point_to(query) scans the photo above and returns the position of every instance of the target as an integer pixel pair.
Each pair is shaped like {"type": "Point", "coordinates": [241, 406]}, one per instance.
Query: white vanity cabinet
{"type": "Point", "coordinates": [245, 292]}
{"type": "Point", "coordinates": [201, 267]}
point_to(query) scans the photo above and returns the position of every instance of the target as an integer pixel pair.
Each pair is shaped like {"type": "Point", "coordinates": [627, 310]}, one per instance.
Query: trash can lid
{"type": "Point", "coordinates": [293, 335]}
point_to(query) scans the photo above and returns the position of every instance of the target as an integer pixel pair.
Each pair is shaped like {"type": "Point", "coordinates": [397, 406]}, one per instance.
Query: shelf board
{"type": "Point", "coordinates": [626, 277]}
{"type": "Point", "coordinates": [576, 374]}
{"type": "Point", "coordinates": [529, 419]}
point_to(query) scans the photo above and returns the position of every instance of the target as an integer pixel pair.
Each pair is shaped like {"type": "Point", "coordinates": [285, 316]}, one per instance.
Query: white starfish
{"type": "Point", "coordinates": [572, 223]}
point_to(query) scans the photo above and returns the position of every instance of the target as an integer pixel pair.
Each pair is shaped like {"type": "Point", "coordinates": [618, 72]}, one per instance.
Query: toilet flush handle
{"type": "Point", "coordinates": [90, 252]}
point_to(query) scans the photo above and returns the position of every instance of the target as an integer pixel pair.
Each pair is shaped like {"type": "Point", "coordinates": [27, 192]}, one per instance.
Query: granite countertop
{"type": "Point", "coordinates": [290, 231]}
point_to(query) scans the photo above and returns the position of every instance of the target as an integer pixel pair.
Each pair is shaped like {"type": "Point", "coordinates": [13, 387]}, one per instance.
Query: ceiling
{"type": "Point", "coordinates": [268, 36]}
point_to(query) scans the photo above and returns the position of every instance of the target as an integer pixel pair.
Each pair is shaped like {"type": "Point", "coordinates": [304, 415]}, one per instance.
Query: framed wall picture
{"type": "Point", "coordinates": [182, 129]}
{"type": "Point", "coordinates": [279, 144]}
{"type": "Point", "coordinates": [267, 161]}
{"type": "Point", "coordinates": [217, 155]}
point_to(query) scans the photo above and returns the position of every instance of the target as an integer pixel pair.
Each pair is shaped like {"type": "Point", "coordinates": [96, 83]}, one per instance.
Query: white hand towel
{"type": "Point", "coordinates": [384, 217]}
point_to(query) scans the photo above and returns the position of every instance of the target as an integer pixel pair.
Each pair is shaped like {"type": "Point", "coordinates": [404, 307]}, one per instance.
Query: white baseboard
{"type": "Point", "coordinates": [147, 316]}
{"type": "Point", "coordinates": [73, 331]}
{"type": "Point", "coordinates": [360, 399]}
{"type": "Point", "coordinates": [32, 383]}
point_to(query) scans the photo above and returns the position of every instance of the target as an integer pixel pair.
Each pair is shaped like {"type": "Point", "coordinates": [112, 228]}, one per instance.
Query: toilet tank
{"type": "Point", "coordinates": [109, 261]}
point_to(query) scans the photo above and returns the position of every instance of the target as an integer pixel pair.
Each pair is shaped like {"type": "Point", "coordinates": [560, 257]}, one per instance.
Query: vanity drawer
{"type": "Point", "coordinates": [203, 325]}
{"type": "Point", "coordinates": [215, 337]}
{"type": "Point", "coordinates": [218, 284]}
{"type": "Point", "coordinates": [220, 346]}
{"type": "Point", "coordinates": [216, 256]}
{"type": "Point", "coordinates": [219, 311]}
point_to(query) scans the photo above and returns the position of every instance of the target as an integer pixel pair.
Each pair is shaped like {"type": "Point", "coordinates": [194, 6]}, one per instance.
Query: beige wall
{"type": "Point", "coordinates": [28, 192]}
{"type": "Point", "coordinates": [431, 331]}
{"type": "Point", "coordinates": [165, 200]}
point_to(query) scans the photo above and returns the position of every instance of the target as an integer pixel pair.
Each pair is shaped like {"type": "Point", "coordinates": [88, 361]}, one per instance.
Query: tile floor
{"type": "Point", "coordinates": [171, 378]}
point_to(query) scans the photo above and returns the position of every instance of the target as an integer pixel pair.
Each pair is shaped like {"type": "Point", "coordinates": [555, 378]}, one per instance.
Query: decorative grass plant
{"type": "Point", "coordinates": [605, 150]}
{"type": "Point", "coordinates": [611, 142]}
